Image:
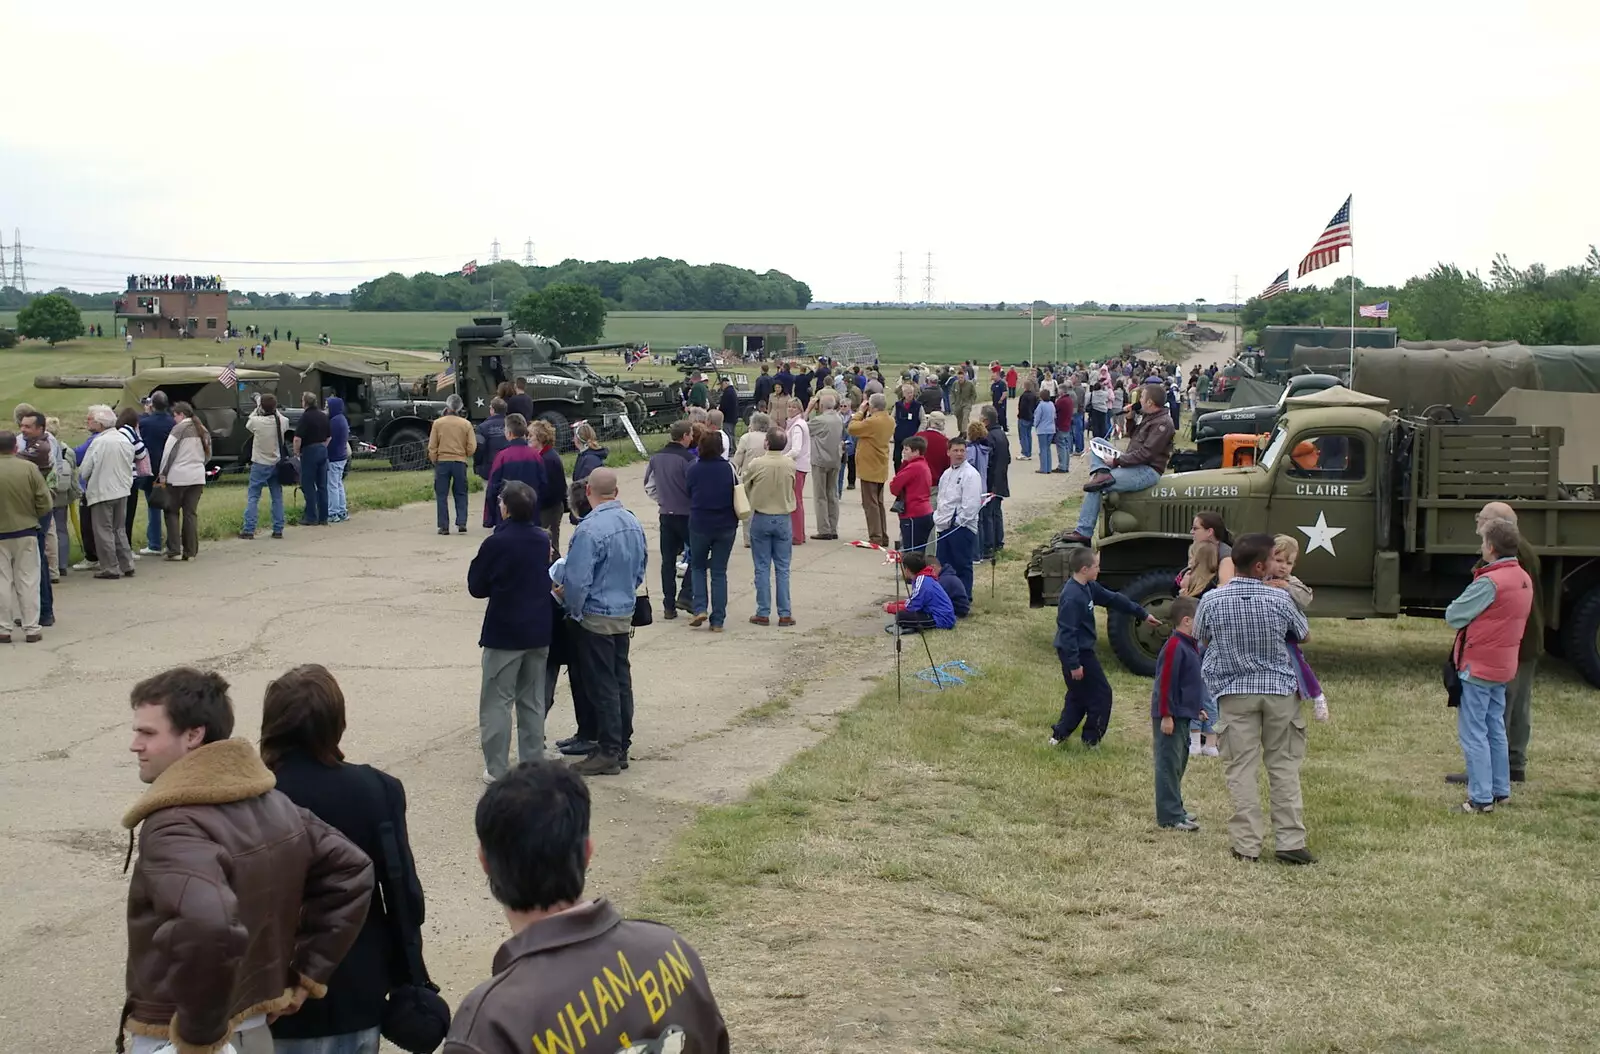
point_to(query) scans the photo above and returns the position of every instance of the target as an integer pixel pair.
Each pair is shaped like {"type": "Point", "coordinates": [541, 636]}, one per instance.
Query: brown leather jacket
{"type": "Point", "coordinates": [238, 897]}
{"type": "Point", "coordinates": [588, 979]}
{"type": "Point", "coordinates": [1151, 443]}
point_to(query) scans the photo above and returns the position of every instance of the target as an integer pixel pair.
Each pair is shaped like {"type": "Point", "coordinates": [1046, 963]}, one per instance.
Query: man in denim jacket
{"type": "Point", "coordinates": [605, 565]}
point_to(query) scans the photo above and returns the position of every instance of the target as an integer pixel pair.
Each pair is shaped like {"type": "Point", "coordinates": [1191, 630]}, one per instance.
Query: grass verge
{"type": "Point", "coordinates": [932, 876]}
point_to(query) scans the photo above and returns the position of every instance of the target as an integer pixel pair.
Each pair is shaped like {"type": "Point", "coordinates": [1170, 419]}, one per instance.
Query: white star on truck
{"type": "Point", "coordinates": [1320, 536]}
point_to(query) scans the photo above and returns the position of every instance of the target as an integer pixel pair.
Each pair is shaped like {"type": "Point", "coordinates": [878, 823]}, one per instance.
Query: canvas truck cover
{"type": "Point", "coordinates": [146, 381]}
{"type": "Point", "coordinates": [1413, 379]}
{"type": "Point", "coordinates": [1317, 360]}
{"type": "Point", "coordinates": [1253, 392]}
{"type": "Point", "coordinates": [1576, 413]}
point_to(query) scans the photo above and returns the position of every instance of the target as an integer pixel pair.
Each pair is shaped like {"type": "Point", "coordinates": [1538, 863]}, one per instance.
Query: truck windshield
{"type": "Point", "coordinates": [384, 386]}
{"type": "Point", "coordinates": [1279, 438]}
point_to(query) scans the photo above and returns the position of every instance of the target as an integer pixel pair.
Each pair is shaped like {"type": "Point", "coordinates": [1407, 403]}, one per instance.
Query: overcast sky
{"type": "Point", "coordinates": [1138, 152]}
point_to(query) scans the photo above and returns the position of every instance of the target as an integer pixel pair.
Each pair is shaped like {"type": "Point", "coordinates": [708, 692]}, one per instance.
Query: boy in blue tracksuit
{"type": "Point", "coordinates": [1177, 697]}
{"type": "Point", "coordinates": [1088, 698]}
{"type": "Point", "coordinates": [928, 606]}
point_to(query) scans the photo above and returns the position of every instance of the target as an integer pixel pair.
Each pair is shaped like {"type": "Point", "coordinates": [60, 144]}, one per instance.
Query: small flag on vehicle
{"type": "Point", "coordinates": [1375, 310]}
{"type": "Point", "coordinates": [469, 268]}
{"type": "Point", "coordinates": [1334, 236]}
{"type": "Point", "coordinates": [447, 379]}
{"type": "Point", "coordinates": [1279, 284]}
{"type": "Point", "coordinates": [228, 377]}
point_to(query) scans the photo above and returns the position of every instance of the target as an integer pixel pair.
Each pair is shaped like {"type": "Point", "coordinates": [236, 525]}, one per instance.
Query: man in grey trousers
{"type": "Point", "coordinates": [512, 571]}
{"type": "Point", "coordinates": [827, 448]}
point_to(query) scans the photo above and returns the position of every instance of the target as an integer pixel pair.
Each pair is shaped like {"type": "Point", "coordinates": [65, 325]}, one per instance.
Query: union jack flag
{"type": "Point", "coordinates": [228, 377]}
{"type": "Point", "coordinates": [469, 268]}
{"type": "Point", "coordinates": [1334, 236]}
{"type": "Point", "coordinates": [1279, 284]}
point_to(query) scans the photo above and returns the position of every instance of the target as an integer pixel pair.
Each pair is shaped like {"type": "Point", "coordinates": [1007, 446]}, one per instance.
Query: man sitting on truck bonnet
{"type": "Point", "coordinates": [1137, 468]}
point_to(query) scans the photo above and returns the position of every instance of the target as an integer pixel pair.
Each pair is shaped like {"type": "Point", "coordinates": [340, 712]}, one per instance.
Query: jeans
{"type": "Point", "coordinates": [338, 507]}
{"type": "Point", "coordinates": [608, 682]}
{"type": "Point", "coordinates": [771, 547]}
{"type": "Point", "coordinates": [1063, 451]}
{"type": "Point", "coordinates": [1481, 727]}
{"type": "Point", "coordinates": [364, 1042]}
{"type": "Point", "coordinates": [513, 680]}
{"type": "Point", "coordinates": [1025, 437]}
{"type": "Point", "coordinates": [1047, 446]}
{"type": "Point", "coordinates": [1124, 480]}
{"type": "Point", "coordinates": [709, 552]}
{"type": "Point", "coordinates": [263, 476]}
{"type": "Point", "coordinates": [1079, 424]}
{"type": "Point", "coordinates": [958, 548]}
{"type": "Point", "coordinates": [153, 519]}
{"type": "Point", "coordinates": [915, 532]}
{"type": "Point", "coordinates": [314, 482]}
{"type": "Point", "coordinates": [450, 477]}
{"type": "Point", "coordinates": [674, 540]}
{"type": "Point", "coordinates": [1171, 754]}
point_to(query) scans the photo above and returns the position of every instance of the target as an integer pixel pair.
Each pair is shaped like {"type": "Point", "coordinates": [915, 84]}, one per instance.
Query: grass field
{"type": "Point", "coordinates": [933, 877]}
{"type": "Point", "coordinates": [901, 336]}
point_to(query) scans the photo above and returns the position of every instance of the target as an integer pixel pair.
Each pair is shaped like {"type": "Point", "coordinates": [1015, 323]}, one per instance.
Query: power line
{"type": "Point", "coordinates": [257, 263]}
{"type": "Point", "coordinates": [927, 282]}
{"type": "Point", "coordinates": [494, 251]}
{"type": "Point", "coordinates": [527, 255]}
{"type": "Point", "coordinates": [18, 279]}
{"type": "Point", "coordinates": [900, 280]}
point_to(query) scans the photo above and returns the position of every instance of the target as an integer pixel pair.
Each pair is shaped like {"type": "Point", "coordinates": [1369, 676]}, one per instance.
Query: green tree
{"type": "Point", "coordinates": [50, 317]}
{"type": "Point", "coordinates": [566, 311]}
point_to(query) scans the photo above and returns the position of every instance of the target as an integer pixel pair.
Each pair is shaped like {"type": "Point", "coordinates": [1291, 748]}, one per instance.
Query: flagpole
{"type": "Point", "coordinates": [1352, 298]}
{"type": "Point", "coordinates": [1030, 335]}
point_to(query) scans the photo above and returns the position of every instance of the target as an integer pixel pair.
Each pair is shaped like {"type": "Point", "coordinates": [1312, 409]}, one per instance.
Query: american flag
{"type": "Point", "coordinates": [228, 377]}
{"type": "Point", "coordinates": [447, 379]}
{"type": "Point", "coordinates": [1375, 310]}
{"type": "Point", "coordinates": [1279, 284]}
{"type": "Point", "coordinates": [469, 268]}
{"type": "Point", "coordinates": [1334, 236]}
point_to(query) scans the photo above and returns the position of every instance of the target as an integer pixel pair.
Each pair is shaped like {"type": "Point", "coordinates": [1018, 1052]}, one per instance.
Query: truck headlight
{"type": "Point", "coordinates": [1124, 523]}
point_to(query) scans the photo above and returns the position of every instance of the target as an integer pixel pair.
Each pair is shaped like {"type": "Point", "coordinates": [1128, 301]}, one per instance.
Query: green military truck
{"type": "Point", "coordinates": [564, 390]}
{"type": "Point", "coordinates": [382, 410]}
{"type": "Point", "coordinates": [1384, 508]}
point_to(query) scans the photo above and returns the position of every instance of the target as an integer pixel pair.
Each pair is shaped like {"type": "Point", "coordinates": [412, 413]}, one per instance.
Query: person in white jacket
{"type": "Point", "coordinates": [183, 472]}
{"type": "Point", "coordinates": [955, 518]}
{"type": "Point", "coordinates": [798, 447]}
{"type": "Point", "coordinates": [107, 473]}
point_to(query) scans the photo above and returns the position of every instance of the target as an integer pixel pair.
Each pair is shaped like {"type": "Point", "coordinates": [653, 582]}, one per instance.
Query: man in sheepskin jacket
{"type": "Point", "coordinates": [242, 903]}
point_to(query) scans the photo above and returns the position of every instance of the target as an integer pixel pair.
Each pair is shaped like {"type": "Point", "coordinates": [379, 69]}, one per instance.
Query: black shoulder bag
{"type": "Point", "coordinates": [415, 1017]}
{"type": "Point", "coordinates": [1451, 672]}
{"type": "Point", "coordinates": [288, 466]}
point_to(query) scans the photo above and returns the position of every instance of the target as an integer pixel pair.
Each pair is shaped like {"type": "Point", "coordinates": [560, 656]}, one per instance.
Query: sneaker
{"type": "Point", "coordinates": [598, 764]}
{"type": "Point", "coordinates": [278, 535]}
{"type": "Point", "coordinates": [134, 555]}
{"type": "Point", "coordinates": [461, 528]}
{"type": "Point", "coordinates": [147, 551]}
{"type": "Point", "coordinates": [1298, 857]}
{"type": "Point", "coordinates": [34, 638]}
{"type": "Point", "coordinates": [1195, 748]}
{"type": "Point", "coordinates": [576, 747]}
{"type": "Point", "coordinates": [445, 531]}
{"type": "Point", "coordinates": [1501, 799]}
{"type": "Point", "coordinates": [248, 536]}
{"type": "Point", "coordinates": [1210, 750]}
{"type": "Point", "coordinates": [486, 778]}
{"type": "Point", "coordinates": [1191, 815]}
{"type": "Point", "coordinates": [1053, 742]}
{"type": "Point", "coordinates": [108, 576]}
{"type": "Point", "coordinates": [1319, 708]}
{"type": "Point", "coordinates": [1470, 806]}
{"type": "Point", "coordinates": [1182, 825]}
{"type": "Point", "coordinates": [88, 565]}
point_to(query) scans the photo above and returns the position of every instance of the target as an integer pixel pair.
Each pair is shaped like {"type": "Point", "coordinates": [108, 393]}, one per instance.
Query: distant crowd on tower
{"type": "Point", "coordinates": [175, 281]}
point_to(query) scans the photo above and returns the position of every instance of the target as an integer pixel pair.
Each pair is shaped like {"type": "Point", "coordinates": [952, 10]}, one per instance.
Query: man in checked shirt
{"type": "Point", "coordinates": [1249, 672]}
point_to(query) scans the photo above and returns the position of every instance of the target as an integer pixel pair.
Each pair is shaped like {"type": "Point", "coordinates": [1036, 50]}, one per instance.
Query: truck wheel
{"type": "Point", "coordinates": [558, 421]}
{"type": "Point", "coordinates": [1136, 645]}
{"type": "Point", "coordinates": [1581, 636]}
{"type": "Point", "coordinates": [408, 449]}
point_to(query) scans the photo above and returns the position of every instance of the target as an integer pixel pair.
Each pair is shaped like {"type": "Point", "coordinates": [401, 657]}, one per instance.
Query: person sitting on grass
{"type": "Point", "coordinates": [1177, 698]}
{"type": "Point", "coordinates": [956, 589]}
{"type": "Point", "coordinates": [927, 606]}
{"type": "Point", "coordinates": [1088, 696]}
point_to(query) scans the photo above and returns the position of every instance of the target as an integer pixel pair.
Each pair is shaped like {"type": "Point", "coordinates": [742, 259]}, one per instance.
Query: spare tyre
{"type": "Point", "coordinates": [480, 332]}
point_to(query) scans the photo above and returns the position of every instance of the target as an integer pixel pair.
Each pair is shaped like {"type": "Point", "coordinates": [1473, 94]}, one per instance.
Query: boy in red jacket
{"type": "Point", "coordinates": [913, 485]}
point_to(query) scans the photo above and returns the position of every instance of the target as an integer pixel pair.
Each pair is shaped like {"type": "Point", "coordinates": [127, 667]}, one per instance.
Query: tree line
{"type": "Point", "coordinates": [1530, 305]}
{"type": "Point", "coordinates": [656, 284]}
